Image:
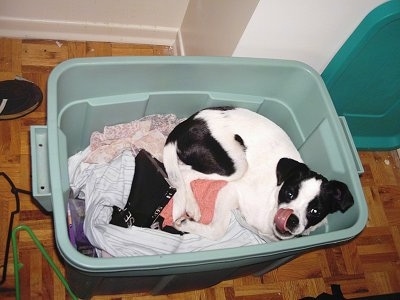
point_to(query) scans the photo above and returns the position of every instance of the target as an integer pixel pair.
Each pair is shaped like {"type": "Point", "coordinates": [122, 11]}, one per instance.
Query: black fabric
{"type": "Point", "coordinates": [149, 194]}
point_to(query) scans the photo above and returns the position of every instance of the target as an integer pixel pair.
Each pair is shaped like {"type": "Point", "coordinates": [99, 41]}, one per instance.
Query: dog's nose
{"type": "Point", "coordinates": [292, 222]}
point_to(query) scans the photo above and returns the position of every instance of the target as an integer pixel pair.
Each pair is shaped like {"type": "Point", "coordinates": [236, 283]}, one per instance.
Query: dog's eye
{"type": "Point", "coordinates": [314, 212]}
{"type": "Point", "coordinates": [289, 195]}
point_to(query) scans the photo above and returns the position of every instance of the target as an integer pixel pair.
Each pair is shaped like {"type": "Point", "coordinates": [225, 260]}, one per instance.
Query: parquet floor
{"type": "Point", "coordinates": [368, 265]}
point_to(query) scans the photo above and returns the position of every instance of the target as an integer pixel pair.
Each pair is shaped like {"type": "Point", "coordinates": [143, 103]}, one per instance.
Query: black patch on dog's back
{"type": "Point", "coordinates": [222, 108]}
{"type": "Point", "coordinates": [198, 148]}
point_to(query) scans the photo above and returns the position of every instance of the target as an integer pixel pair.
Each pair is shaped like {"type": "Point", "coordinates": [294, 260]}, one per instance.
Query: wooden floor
{"type": "Point", "coordinates": [367, 265]}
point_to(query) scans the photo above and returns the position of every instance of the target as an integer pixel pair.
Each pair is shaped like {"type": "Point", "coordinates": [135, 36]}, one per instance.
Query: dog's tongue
{"type": "Point", "coordinates": [281, 218]}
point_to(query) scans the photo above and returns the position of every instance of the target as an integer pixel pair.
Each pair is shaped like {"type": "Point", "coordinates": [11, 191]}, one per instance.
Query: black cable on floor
{"type": "Point", "coordinates": [14, 190]}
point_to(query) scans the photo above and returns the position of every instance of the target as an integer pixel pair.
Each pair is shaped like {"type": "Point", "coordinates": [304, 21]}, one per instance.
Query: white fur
{"type": "Point", "coordinates": [252, 189]}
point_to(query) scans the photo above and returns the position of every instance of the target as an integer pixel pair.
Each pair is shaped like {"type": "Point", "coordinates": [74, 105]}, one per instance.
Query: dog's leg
{"type": "Point", "coordinates": [171, 164]}
{"type": "Point", "coordinates": [187, 207]}
{"type": "Point", "coordinates": [180, 175]}
{"type": "Point", "coordinates": [192, 208]}
{"type": "Point", "coordinates": [226, 201]}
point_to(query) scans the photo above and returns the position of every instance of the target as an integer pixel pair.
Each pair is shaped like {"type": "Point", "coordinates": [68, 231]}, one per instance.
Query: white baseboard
{"type": "Point", "coordinates": [398, 152]}
{"type": "Point", "coordinates": [78, 31]}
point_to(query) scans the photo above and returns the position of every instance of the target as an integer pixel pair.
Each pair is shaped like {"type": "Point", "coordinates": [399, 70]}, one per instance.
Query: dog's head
{"type": "Point", "coordinates": [305, 198]}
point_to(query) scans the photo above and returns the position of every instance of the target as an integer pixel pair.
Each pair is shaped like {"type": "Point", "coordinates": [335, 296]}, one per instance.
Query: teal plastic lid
{"type": "Point", "coordinates": [363, 79]}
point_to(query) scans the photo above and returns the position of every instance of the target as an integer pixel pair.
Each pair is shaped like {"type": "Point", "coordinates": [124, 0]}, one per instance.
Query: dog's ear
{"type": "Point", "coordinates": [285, 167]}
{"type": "Point", "coordinates": [339, 194]}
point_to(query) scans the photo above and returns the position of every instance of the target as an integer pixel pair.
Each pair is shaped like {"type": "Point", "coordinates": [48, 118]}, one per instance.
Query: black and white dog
{"type": "Point", "coordinates": [275, 192]}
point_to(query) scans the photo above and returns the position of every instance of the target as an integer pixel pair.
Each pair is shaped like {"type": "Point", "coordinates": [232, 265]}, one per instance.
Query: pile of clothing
{"type": "Point", "coordinates": [101, 178]}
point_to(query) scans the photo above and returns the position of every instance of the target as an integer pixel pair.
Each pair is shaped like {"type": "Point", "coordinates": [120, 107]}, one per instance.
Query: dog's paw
{"type": "Point", "coordinates": [189, 226]}
{"type": "Point", "coordinates": [184, 224]}
{"type": "Point", "coordinates": [178, 222]}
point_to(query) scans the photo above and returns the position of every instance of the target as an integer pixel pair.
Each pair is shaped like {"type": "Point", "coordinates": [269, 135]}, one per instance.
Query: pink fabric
{"type": "Point", "coordinates": [205, 192]}
{"type": "Point", "coordinates": [148, 133]}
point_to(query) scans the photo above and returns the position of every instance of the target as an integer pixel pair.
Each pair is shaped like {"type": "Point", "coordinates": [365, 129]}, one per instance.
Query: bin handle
{"type": "Point", "coordinates": [41, 189]}
{"type": "Point", "coordinates": [350, 142]}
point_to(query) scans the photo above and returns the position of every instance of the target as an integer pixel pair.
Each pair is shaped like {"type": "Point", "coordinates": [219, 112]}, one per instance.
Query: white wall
{"type": "Point", "coordinates": [137, 21]}
{"type": "Point", "coordinates": [214, 27]}
{"type": "Point", "coordinates": [307, 30]}
{"type": "Point", "coordinates": [311, 31]}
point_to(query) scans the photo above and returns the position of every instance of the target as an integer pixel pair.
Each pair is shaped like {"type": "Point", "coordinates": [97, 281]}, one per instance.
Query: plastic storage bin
{"type": "Point", "coordinates": [86, 94]}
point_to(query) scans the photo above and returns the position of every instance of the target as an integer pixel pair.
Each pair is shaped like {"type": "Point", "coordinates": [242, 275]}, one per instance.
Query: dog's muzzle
{"type": "Point", "coordinates": [286, 221]}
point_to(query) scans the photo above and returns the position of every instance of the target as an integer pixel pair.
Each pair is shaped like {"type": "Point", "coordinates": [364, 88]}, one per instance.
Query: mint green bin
{"type": "Point", "coordinates": [84, 95]}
